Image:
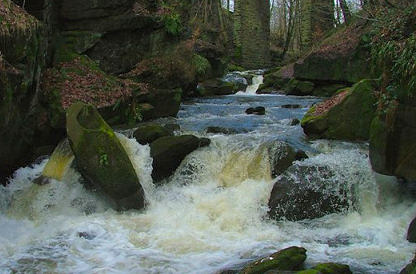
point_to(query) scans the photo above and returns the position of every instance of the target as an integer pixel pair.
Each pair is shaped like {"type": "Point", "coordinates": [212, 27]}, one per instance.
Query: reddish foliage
{"type": "Point", "coordinates": [326, 105]}
{"type": "Point", "coordinates": [77, 81]}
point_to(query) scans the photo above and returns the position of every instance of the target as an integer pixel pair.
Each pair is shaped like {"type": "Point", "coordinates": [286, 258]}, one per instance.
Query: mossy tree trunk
{"type": "Point", "coordinates": [252, 33]}
{"type": "Point", "coordinates": [317, 19]}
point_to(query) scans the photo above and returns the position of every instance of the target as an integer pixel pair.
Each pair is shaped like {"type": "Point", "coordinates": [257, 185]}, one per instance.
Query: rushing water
{"type": "Point", "coordinates": [213, 213]}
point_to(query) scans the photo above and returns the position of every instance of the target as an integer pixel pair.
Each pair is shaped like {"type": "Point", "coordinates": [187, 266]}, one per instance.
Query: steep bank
{"type": "Point", "coordinates": [133, 60]}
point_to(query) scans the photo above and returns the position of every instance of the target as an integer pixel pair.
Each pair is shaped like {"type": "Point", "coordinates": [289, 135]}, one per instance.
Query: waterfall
{"type": "Point", "coordinates": [257, 81]}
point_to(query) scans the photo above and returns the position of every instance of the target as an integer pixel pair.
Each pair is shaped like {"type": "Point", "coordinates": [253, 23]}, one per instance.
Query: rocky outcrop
{"type": "Point", "coordinates": [256, 110]}
{"type": "Point", "coordinates": [307, 192]}
{"type": "Point", "coordinates": [101, 158]}
{"type": "Point", "coordinates": [345, 116]}
{"type": "Point", "coordinates": [288, 259]}
{"type": "Point", "coordinates": [168, 153]}
{"type": "Point", "coordinates": [342, 58]}
{"type": "Point", "coordinates": [22, 57]}
{"type": "Point", "coordinates": [392, 145]}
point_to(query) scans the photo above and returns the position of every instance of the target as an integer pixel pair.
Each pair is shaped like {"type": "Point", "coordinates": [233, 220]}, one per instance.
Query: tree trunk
{"type": "Point", "coordinates": [345, 11]}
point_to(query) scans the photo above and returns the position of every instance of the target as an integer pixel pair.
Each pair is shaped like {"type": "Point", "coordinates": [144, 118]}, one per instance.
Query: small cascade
{"type": "Point", "coordinates": [257, 81]}
{"type": "Point", "coordinates": [58, 164]}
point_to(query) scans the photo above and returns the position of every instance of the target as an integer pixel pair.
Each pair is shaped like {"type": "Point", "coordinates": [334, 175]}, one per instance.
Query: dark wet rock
{"type": "Point", "coordinates": [168, 153]}
{"type": "Point", "coordinates": [86, 235]}
{"type": "Point", "coordinates": [101, 158]}
{"type": "Point", "coordinates": [411, 232]}
{"type": "Point", "coordinates": [256, 111]}
{"type": "Point", "coordinates": [172, 127]}
{"type": "Point", "coordinates": [307, 192]}
{"type": "Point", "coordinates": [281, 156]}
{"type": "Point", "coordinates": [149, 132]}
{"type": "Point", "coordinates": [345, 116]}
{"type": "Point", "coordinates": [288, 259]}
{"type": "Point", "coordinates": [221, 130]}
{"type": "Point", "coordinates": [301, 155]}
{"type": "Point", "coordinates": [410, 268]}
{"type": "Point", "coordinates": [291, 106]}
{"type": "Point", "coordinates": [295, 122]}
{"type": "Point", "coordinates": [327, 268]}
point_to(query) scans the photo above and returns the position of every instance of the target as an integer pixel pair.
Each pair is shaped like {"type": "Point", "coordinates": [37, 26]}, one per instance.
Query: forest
{"type": "Point", "coordinates": [208, 136]}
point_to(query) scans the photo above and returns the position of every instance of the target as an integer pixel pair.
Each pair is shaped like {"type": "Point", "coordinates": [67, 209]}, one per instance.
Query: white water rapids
{"type": "Point", "coordinates": [211, 216]}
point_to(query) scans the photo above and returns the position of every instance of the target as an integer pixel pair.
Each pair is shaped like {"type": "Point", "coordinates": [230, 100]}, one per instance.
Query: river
{"type": "Point", "coordinates": [212, 214]}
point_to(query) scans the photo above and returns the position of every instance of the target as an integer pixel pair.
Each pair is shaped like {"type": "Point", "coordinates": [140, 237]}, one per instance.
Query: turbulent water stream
{"type": "Point", "coordinates": [212, 215]}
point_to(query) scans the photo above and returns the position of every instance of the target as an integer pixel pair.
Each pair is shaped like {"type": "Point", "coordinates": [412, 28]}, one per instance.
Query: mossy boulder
{"type": "Point", "coordinates": [345, 116]}
{"type": "Point", "coordinates": [273, 81]}
{"type": "Point", "coordinates": [288, 259]}
{"type": "Point", "coordinates": [300, 88]}
{"type": "Point", "coordinates": [216, 87]}
{"type": "Point", "coordinates": [169, 151]}
{"type": "Point", "coordinates": [281, 155]}
{"type": "Point", "coordinates": [327, 268]}
{"type": "Point", "coordinates": [307, 192]}
{"type": "Point", "coordinates": [149, 132]}
{"type": "Point", "coordinates": [101, 158]}
{"type": "Point", "coordinates": [392, 141]}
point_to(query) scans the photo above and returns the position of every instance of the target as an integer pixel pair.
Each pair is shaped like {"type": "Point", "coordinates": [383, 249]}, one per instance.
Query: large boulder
{"type": "Point", "coordinates": [216, 87]}
{"type": "Point", "coordinates": [148, 132]}
{"type": "Point", "coordinates": [307, 192]}
{"type": "Point", "coordinates": [288, 259]}
{"type": "Point", "coordinates": [392, 141]}
{"type": "Point", "coordinates": [101, 158]}
{"type": "Point", "coordinates": [169, 151]}
{"type": "Point", "coordinates": [345, 116]}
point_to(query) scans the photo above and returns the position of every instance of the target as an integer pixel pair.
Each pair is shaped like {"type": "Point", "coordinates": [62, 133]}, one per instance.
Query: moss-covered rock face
{"type": "Point", "coordinates": [327, 268]}
{"type": "Point", "coordinates": [168, 153]}
{"type": "Point", "coordinates": [216, 87]}
{"type": "Point", "coordinates": [345, 116]}
{"type": "Point", "coordinates": [288, 259]}
{"type": "Point", "coordinates": [149, 132]}
{"type": "Point", "coordinates": [392, 145]}
{"type": "Point", "coordinates": [101, 158]}
{"type": "Point", "coordinates": [296, 87]}
{"type": "Point", "coordinates": [22, 54]}
{"type": "Point", "coordinates": [341, 58]}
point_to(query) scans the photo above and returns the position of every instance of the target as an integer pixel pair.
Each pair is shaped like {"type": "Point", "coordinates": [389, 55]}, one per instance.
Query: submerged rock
{"type": "Point", "coordinates": [307, 192]}
{"type": "Point", "coordinates": [169, 151]}
{"type": "Point", "coordinates": [327, 268]}
{"type": "Point", "coordinates": [221, 130]}
{"type": "Point", "coordinates": [345, 116]}
{"type": "Point", "coordinates": [288, 259]}
{"type": "Point", "coordinates": [291, 106]}
{"type": "Point", "coordinates": [149, 132]}
{"type": "Point", "coordinates": [256, 111]}
{"type": "Point", "coordinates": [101, 158]}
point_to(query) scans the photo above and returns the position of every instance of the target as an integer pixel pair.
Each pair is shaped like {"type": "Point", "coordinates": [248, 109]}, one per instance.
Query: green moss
{"type": "Point", "coordinates": [288, 259]}
{"type": "Point", "coordinates": [348, 120]}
